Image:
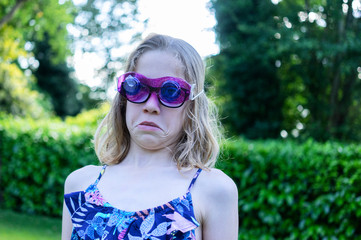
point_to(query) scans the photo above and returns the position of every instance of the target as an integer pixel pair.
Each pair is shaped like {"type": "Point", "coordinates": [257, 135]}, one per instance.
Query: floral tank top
{"type": "Point", "coordinates": [95, 218]}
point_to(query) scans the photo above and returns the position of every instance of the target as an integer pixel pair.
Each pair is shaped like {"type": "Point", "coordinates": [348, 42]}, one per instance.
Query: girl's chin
{"type": "Point", "coordinates": [150, 143]}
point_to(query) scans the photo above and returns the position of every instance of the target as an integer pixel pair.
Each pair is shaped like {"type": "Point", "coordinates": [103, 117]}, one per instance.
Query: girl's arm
{"type": "Point", "coordinates": [67, 225]}
{"type": "Point", "coordinates": [78, 180]}
{"type": "Point", "coordinates": [219, 207]}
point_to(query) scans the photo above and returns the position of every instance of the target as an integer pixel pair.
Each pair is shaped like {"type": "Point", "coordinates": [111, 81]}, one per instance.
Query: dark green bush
{"type": "Point", "coordinates": [287, 190]}
{"type": "Point", "coordinates": [35, 158]}
{"type": "Point", "coordinates": [296, 191]}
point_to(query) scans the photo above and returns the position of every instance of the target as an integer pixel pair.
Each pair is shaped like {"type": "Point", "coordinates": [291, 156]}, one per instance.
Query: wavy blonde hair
{"type": "Point", "coordinates": [198, 143]}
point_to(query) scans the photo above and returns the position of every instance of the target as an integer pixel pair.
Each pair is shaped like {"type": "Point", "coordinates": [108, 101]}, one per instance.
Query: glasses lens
{"type": "Point", "coordinates": [137, 89]}
{"type": "Point", "coordinates": [171, 94]}
{"type": "Point", "coordinates": [134, 90]}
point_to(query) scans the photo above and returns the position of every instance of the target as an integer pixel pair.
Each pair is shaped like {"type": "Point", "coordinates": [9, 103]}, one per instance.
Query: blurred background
{"type": "Point", "coordinates": [284, 74]}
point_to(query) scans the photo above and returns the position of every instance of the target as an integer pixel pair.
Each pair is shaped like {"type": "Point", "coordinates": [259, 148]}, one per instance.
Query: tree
{"type": "Point", "coordinates": [22, 21]}
{"type": "Point", "coordinates": [8, 15]}
{"type": "Point", "coordinates": [44, 25]}
{"type": "Point", "coordinates": [101, 27]}
{"type": "Point", "coordinates": [325, 53]}
{"type": "Point", "coordinates": [16, 96]}
{"type": "Point", "coordinates": [54, 79]}
{"type": "Point", "coordinates": [253, 97]}
{"type": "Point", "coordinates": [316, 49]}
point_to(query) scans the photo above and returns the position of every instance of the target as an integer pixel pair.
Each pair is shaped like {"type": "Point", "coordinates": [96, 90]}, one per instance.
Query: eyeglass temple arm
{"type": "Point", "coordinates": [192, 90]}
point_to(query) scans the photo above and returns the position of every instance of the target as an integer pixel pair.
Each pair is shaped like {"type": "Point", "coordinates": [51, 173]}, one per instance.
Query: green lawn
{"type": "Point", "coordinates": [17, 226]}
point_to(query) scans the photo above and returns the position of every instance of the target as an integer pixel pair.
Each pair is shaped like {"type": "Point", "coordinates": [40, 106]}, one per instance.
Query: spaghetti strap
{"type": "Point", "coordinates": [194, 179]}
{"type": "Point", "coordinates": [100, 175]}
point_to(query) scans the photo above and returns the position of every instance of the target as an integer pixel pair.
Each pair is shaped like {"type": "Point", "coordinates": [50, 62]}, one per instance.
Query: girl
{"type": "Point", "coordinates": [158, 149]}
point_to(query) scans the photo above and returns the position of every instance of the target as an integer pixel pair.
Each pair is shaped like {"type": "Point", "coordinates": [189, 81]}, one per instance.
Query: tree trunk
{"type": "Point", "coordinates": [10, 14]}
{"type": "Point", "coordinates": [338, 113]}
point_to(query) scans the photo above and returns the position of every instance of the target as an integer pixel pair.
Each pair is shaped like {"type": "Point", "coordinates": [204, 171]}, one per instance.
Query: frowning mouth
{"type": "Point", "coordinates": [150, 124]}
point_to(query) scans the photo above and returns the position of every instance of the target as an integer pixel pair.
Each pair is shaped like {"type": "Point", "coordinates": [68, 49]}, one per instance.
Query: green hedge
{"type": "Point", "coordinates": [37, 155]}
{"type": "Point", "coordinates": [287, 190]}
{"type": "Point", "coordinates": [296, 191]}
{"type": "Point", "coordinates": [35, 158]}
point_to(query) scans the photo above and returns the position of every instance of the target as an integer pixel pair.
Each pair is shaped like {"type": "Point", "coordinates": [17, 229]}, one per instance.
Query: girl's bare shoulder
{"type": "Point", "coordinates": [215, 184]}
{"type": "Point", "coordinates": [81, 178]}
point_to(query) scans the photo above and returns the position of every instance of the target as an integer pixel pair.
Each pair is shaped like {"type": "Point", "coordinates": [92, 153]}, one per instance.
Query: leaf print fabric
{"type": "Point", "coordinates": [94, 197]}
{"type": "Point", "coordinates": [95, 218]}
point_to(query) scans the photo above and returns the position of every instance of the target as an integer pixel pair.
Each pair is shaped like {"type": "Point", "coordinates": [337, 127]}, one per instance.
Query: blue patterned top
{"type": "Point", "coordinates": [95, 218]}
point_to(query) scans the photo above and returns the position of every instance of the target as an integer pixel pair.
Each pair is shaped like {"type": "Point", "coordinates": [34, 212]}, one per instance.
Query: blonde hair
{"type": "Point", "coordinates": [198, 145]}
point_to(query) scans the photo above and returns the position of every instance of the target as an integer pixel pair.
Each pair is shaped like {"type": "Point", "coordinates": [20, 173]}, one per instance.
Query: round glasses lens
{"type": "Point", "coordinates": [170, 91]}
{"type": "Point", "coordinates": [171, 94]}
{"type": "Point", "coordinates": [134, 90]}
{"type": "Point", "coordinates": [131, 85]}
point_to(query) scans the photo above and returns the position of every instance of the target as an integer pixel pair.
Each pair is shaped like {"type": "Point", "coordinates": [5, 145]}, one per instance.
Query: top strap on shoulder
{"type": "Point", "coordinates": [100, 175]}
{"type": "Point", "coordinates": [194, 179]}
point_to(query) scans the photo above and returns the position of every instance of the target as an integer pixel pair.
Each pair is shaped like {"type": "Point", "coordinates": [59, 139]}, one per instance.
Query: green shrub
{"type": "Point", "coordinates": [35, 158]}
{"type": "Point", "coordinates": [296, 191]}
{"type": "Point", "coordinates": [90, 118]}
{"type": "Point", "coordinates": [287, 190]}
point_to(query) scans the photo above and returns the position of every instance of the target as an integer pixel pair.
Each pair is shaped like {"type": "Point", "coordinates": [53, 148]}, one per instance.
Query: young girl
{"type": "Point", "coordinates": [158, 150]}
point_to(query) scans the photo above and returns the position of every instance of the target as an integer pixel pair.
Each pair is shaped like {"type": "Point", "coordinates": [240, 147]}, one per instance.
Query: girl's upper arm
{"type": "Point", "coordinates": [76, 181]}
{"type": "Point", "coordinates": [67, 225]}
{"type": "Point", "coordinates": [220, 211]}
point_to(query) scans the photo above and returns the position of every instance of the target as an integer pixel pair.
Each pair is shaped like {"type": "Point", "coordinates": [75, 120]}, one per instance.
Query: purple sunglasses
{"type": "Point", "coordinates": [172, 92]}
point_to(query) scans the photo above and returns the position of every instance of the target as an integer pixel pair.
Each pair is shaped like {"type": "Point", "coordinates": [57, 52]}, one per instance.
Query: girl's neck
{"type": "Point", "coordinates": [141, 157]}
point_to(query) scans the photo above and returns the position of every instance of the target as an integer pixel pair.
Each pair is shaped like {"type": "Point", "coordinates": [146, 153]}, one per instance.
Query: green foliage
{"type": "Point", "coordinates": [37, 155]}
{"type": "Point", "coordinates": [16, 95]}
{"type": "Point", "coordinates": [54, 80]}
{"type": "Point", "coordinates": [34, 18]}
{"type": "Point", "coordinates": [324, 53]}
{"type": "Point", "coordinates": [289, 190]}
{"type": "Point", "coordinates": [44, 32]}
{"type": "Point", "coordinates": [89, 119]}
{"type": "Point", "coordinates": [253, 99]}
{"type": "Point", "coordinates": [101, 27]}
{"type": "Point", "coordinates": [29, 22]}
{"type": "Point", "coordinates": [294, 65]}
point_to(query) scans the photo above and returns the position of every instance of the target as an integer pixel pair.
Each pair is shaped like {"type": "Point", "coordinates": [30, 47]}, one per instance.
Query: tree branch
{"type": "Point", "coordinates": [8, 16]}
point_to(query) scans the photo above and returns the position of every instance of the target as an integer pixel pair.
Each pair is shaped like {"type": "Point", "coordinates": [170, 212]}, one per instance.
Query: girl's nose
{"type": "Point", "coordinates": [152, 105]}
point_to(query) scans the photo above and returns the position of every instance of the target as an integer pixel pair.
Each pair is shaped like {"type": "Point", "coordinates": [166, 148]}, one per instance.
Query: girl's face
{"type": "Point", "coordinates": [151, 125]}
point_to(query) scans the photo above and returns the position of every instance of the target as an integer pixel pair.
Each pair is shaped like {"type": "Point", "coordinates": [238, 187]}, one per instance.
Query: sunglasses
{"type": "Point", "coordinates": [172, 92]}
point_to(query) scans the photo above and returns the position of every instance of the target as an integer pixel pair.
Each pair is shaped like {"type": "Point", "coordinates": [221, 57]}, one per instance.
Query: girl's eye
{"type": "Point", "coordinates": [131, 85]}
{"type": "Point", "coordinates": [170, 91]}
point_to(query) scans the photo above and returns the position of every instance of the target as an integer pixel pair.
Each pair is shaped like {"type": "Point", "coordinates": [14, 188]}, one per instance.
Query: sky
{"type": "Point", "coordinates": [189, 20]}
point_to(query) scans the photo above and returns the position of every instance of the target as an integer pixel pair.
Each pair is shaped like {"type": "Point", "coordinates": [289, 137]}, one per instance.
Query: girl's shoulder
{"type": "Point", "coordinates": [213, 191]}
{"type": "Point", "coordinates": [215, 182]}
{"type": "Point", "coordinates": [215, 197]}
{"type": "Point", "coordinates": [81, 178]}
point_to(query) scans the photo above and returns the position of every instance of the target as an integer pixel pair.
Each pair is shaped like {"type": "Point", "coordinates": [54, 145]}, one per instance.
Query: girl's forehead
{"type": "Point", "coordinates": [159, 63]}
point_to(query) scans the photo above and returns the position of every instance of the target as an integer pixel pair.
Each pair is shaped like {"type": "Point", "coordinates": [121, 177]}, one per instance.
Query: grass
{"type": "Point", "coordinates": [18, 226]}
